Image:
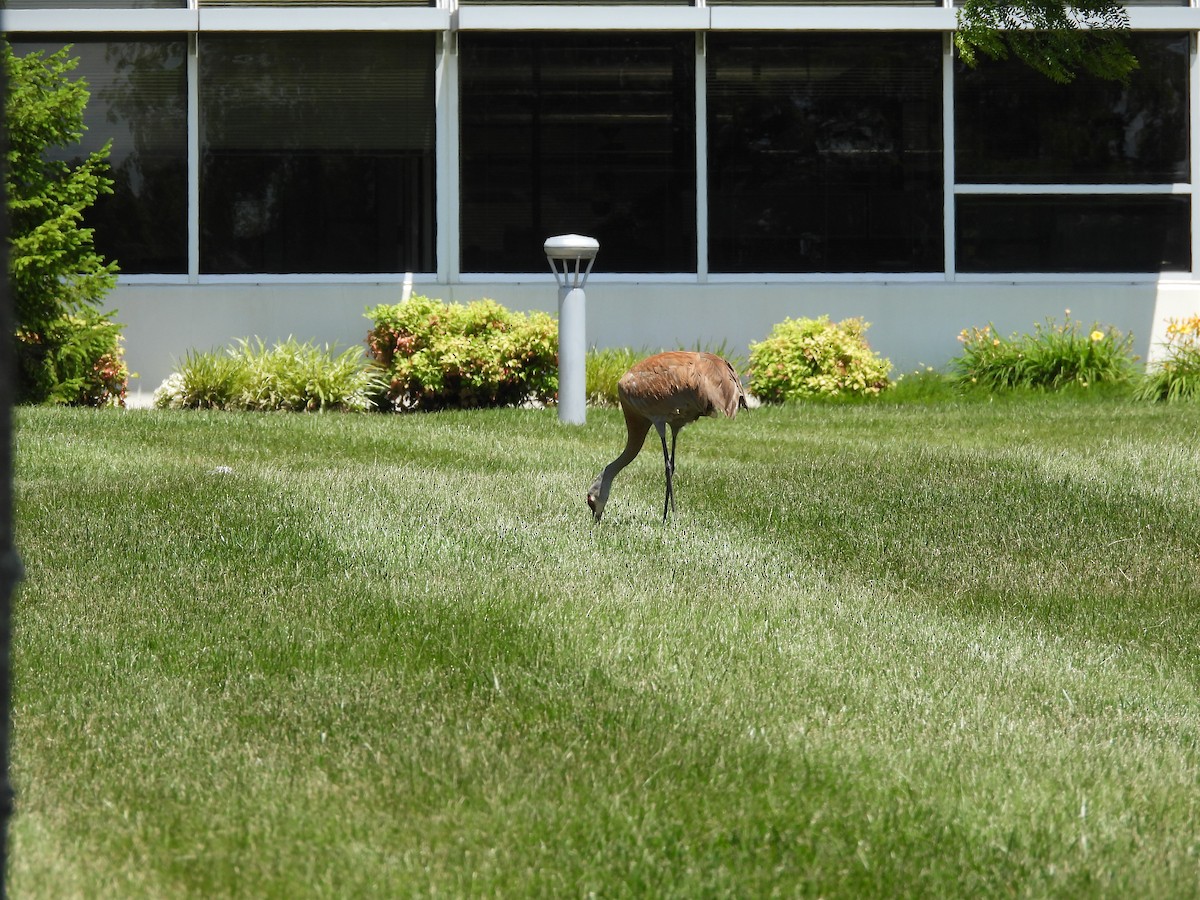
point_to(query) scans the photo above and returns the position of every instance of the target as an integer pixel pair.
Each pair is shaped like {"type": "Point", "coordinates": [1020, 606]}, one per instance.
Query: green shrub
{"type": "Point", "coordinates": [1177, 376]}
{"type": "Point", "coordinates": [805, 359]}
{"type": "Point", "coordinates": [438, 355]}
{"type": "Point", "coordinates": [289, 376]}
{"type": "Point", "coordinates": [74, 359]}
{"type": "Point", "coordinates": [1053, 357]}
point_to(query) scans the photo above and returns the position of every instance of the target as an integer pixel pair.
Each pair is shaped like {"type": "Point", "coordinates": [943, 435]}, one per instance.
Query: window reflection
{"type": "Point", "coordinates": [1015, 125]}
{"type": "Point", "coordinates": [823, 3]}
{"type": "Point", "coordinates": [317, 153]}
{"type": "Point", "coordinates": [825, 153]}
{"type": "Point", "coordinates": [578, 133]}
{"type": "Point", "coordinates": [138, 100]}
{"type": "Point", "coordinates": [95, 4]}
{"type": "Point", "coordinates": [1073, 234]}
{"type": "Point", "coordinates": [574, 2]}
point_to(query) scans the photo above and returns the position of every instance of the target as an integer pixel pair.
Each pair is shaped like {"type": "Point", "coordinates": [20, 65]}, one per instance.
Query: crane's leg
{"type": "Point", "coordinates": [669, 502]}
{"type": "Point", "coordinates": [671, 468]}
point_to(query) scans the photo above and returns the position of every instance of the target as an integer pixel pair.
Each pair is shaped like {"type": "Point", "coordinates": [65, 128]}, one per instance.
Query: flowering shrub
{"type": "Point", "coordinates": [203, 381]}
{"type": "Point", "coordinates": [812, 358]}
{"type": "Point", "coordinates": [74, 359]}
{"type": "Point", "coordinates": [437, 355]}
{"type": "Point", "coordinates": [289, 376]}
{"type": "Point", "coordinates": [1053, 357]}
{"type": "Point", "coordinates": [1177, 376]}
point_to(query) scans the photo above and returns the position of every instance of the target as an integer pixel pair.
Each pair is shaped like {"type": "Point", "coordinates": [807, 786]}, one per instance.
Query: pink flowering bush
{"type": "Point", "coordinates": [439, 355]}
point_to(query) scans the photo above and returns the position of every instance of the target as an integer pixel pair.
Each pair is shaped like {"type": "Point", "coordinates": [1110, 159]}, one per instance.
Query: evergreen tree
{"type": "Point", "coordinates": [67, 349]}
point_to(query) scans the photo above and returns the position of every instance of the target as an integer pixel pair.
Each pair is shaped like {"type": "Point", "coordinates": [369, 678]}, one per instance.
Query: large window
{"type": "Point", "coordinates": [1019, 136]}
{"type": "Point", "coordinates": [1064, 233]}
{"type": "Point", "coordinates": [138, 101]}
{"type": "Point", "coordinates": [590, 133]}
{"type": "Point", "coordinates": [823, 2]}
{"type": "Point", "coordinates": [94, 4]}
{"type": "Point", "coordinates": [825, 153]}
{"type": "Point", "coordinates": [317, 153]}
{"type": "Point", "coordinates": [1015, 125]}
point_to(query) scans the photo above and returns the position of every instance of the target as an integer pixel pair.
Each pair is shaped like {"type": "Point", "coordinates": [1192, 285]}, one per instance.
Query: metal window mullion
{"type": "Point", "coordinates": [701, 157]}
{"type": "Point", "coordinates": [1193, 144]}
{"type": "Point", "coordinates": [1078, 190]}
{"type": "Point", "coordinates": [949, 212]}
{"type": "Point", "coordinates": [193, 159]}
{"type": "Point", "coordinates": [447, 155]}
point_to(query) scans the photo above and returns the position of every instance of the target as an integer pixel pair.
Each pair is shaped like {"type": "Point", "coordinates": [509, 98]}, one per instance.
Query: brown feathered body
{"type": "Point", "coordinates": [668, 390]}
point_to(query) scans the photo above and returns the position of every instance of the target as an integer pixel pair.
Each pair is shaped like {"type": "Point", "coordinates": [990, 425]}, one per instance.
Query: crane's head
{"type": "Point", "coordinates": [598, 496]}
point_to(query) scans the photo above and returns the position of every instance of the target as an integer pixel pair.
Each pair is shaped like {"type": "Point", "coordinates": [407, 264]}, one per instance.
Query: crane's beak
{"type": "Point", "coordinates": [596, 513]}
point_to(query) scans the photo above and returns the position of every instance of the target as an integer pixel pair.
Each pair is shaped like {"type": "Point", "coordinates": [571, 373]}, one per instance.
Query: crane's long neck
{"type": "Point", "coordinates": [632, 448]}
{"type": "Point", "coordinates": [635, 437]}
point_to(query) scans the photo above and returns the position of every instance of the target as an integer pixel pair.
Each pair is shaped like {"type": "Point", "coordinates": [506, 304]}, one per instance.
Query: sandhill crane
{"type": "Point", "coordinates": [675, 389]}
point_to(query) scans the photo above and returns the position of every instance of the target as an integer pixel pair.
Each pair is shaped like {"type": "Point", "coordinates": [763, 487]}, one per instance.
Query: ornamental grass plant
{"type": "Point", "coordinates": [944, 649]}
{"type": "Point", "coordinates": [302, 377]}
{"type": "Point", "coordinates": [606, 365]}
{"type": "Point", "coordinates": [203, 380]}
{"type": "Point", "coordinates": [288, 376]}
{"type": "Point", "coordinates": [1177, 375]}
{"type": "Point", "coordinates": [1053, 357]}
{"type": "Point", "coordinates": [604, 368]}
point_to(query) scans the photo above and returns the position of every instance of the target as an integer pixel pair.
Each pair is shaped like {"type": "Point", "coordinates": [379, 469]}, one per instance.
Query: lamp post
{"type": "Point", "coordinates": [567, 254]}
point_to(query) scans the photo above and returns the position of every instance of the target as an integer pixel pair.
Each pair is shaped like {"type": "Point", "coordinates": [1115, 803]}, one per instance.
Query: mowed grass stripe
{"type": "Point", "coordinates": [458, 685]}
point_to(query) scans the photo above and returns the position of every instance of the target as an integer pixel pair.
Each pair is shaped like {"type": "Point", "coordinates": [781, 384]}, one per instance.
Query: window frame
{"type": "Point", "coordinates": [448, 22]}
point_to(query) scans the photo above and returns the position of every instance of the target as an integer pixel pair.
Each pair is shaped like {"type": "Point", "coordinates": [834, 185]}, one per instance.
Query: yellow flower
{"type": "Point", "coordinates": [995, 342]}
{"type": "Point", "coordinates": [1097, 335]}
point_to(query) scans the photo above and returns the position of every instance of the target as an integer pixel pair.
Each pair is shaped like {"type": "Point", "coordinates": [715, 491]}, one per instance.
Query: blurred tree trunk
{"type": "Point", "coordinates": [10, 562]}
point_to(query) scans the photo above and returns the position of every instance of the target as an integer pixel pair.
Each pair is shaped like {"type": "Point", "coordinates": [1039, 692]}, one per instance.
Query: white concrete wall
{"type": "Point", "coordinates": [912, 323]}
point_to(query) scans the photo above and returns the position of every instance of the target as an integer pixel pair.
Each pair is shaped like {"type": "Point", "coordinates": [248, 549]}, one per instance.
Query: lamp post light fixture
{"type": "Point", "coordinates": [567, 254]}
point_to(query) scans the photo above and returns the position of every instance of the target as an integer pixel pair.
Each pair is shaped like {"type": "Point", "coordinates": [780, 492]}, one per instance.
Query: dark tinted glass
{"type": "Point", "coordinates": [823, 3]}
{"type": "Point", "coordinates": [1014, 125]}
{"type": "Point", "coordinates": [588, 133]}
{"type": "Point", "coordinates": [825, 153]}
{"type": "Point", "coordinates": [574, 2]}
{"type": "Point", "coordinates": [1073, 234]}
{"type": "Point", "coordinates": [95, 4]}
{"type": "Point", "coordinates": [317, 153]}
{"type": "Point", "coordinates": [211, 3]}
{"type": "Point", "coordinates": [138, 101]}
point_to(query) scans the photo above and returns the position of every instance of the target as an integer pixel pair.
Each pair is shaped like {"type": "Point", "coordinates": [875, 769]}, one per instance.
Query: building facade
{"type": "Point", "coordinates": [282, 166]}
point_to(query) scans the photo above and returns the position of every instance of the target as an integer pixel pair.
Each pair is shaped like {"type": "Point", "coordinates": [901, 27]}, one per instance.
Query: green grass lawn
{"type": "Point", "coordinates": [946, 649]}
